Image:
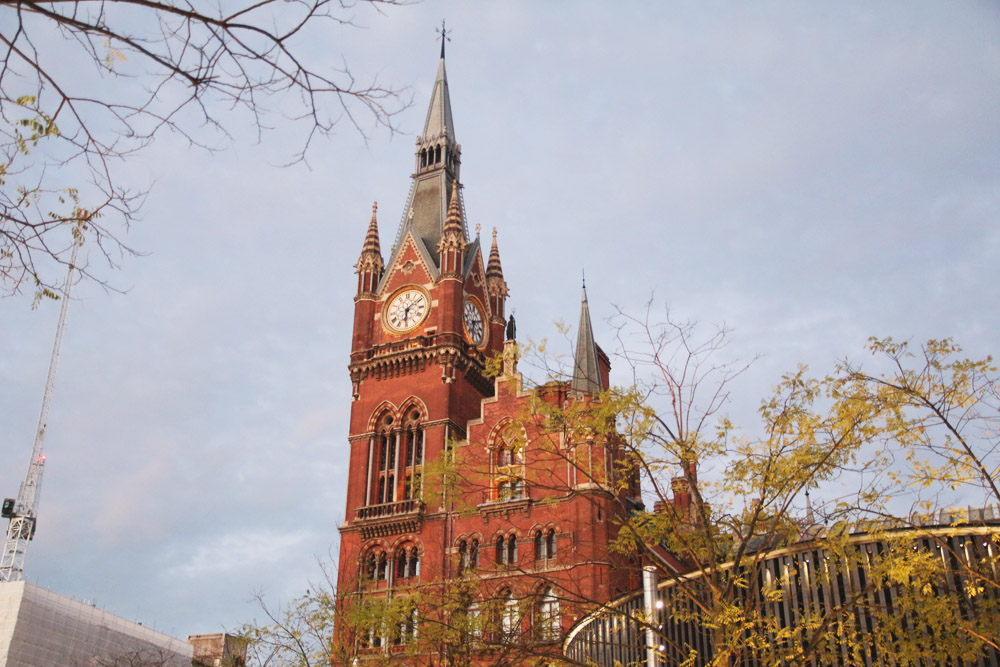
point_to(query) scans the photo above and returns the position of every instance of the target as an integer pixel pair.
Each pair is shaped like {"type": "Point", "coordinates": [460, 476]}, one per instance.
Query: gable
{"type": "Point", "coordinates": [410, 265]}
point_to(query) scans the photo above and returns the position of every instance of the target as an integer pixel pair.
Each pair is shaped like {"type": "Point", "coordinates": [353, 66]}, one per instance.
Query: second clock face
{"type": "Point", "coordinates": [406, 310]}
{"type": "Point", "coordinates": [473, 322]}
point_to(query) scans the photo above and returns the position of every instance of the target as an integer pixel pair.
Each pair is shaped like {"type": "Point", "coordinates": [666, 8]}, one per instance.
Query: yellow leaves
{"type": "Point", "coordinates": [112, 56]}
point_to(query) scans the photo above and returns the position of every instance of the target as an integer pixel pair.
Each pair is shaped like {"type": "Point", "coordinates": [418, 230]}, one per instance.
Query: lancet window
{"type": "Point", "coordinates": [506, 550]}
{"type": "Point", "coordinates": [468, 555]}
{"type": "Point", "coordinates": [545, 544]}
{"type": "Point", "coordinates": [407, 562]}
{"type": "Point", "coordinates": [395, 459]}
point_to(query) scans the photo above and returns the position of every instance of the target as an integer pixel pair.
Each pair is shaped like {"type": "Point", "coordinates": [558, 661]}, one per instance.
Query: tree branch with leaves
{"type": "Point", "coordinates": [85, 84]}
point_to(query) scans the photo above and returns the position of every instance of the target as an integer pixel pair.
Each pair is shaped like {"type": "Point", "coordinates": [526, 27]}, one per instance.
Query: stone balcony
{"type": "Point", "coordinates": [402, 516]}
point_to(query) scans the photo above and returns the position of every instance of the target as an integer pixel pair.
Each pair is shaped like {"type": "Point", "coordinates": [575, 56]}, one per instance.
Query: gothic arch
{"type": "Point", "coordinates": [408, 406]}
{"type": "Point", "coordinates": [383, 409]}
{"type": "Point", "coordinates": [505, 424]}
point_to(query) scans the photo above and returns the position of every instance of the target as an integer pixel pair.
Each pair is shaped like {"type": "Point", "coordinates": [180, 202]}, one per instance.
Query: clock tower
{"type": "Point", "coordinates": [428, 322]}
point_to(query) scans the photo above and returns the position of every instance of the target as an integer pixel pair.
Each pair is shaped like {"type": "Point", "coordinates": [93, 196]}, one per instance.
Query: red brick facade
{"type": "Point", "coordinates": [521, 517]}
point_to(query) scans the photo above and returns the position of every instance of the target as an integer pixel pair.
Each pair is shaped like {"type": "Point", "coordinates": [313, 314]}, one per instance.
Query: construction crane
{"type": "Point", "coordinates": [24, 511]}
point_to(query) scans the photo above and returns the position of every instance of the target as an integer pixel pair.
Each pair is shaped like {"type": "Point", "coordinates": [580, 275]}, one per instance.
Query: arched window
{"type": "Point", "coordinates": [383, 463]}
{"type": "Point", "coordinates": [501, 551]}
{"type": "Point", "coordinates": [370, 565]}
{"type": "Point", "coordinates": [511, 549]}
{"type": "Point", "coordinates": [550, 543]}
{"type": "Point", "coordinates": [474, 554]}
{"type": "Point", "coordinates": [437, 154]}
{"type": "Point", "coordinates": [548, 621]}
{"type": "Point", "coordinates": [423, 157]}
{"type": "Point", "coordinates": [539, 546]}
{"type": "Point", "coordinates": [463, 556]}
{"type": "Point", "coordinates": [413, 454]}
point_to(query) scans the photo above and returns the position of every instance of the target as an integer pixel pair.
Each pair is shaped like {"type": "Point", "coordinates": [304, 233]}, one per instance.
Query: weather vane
{"type": "Point", "coordinates": [443, 33]}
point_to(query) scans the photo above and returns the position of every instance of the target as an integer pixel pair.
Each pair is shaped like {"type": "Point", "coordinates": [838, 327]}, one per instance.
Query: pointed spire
{"type": "Point", "coordinates": [453, 222]}
{"type": "Point", "coordinates": [370, 265]}
{"type": "Point", "coordinates": [496, 286]}
{"type": "Point", "coordinates": [439, 119]}
{"type": "Point", "coordinates": [493, 268]}
{"type": "Point", "coordinates": [371, 239]}
{"type": "Point", "coordinates": [438, 161]}
{"type": "Point", "coordinates": [586, 372]}
{"type": "Point", "coordinates": [451, 247]}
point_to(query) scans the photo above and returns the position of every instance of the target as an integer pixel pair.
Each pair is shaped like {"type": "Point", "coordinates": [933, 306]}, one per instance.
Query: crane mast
{"type": "Point", "coordinates": [24, 511]}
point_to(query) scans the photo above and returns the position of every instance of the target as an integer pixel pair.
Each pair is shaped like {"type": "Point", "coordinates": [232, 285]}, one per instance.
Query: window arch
{"type": "Point", "coordinates": [545, 544]}
{"type": "Point", "coordinates": [407, 562]}
{"type": "Point", "coordinates": [468, 555]}
{"type": "Point", "coordinates": [376, 565]}
{"type": "Point", "coordinates": [382, 459]}
{"type": "Point", "coordinates": [506, 549]}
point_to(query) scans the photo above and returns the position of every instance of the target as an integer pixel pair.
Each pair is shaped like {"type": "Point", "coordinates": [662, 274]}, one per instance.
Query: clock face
{"type": "Point", "coordinates": [406, 310]}
{"type": "Point", "coordinates": [473, 322]}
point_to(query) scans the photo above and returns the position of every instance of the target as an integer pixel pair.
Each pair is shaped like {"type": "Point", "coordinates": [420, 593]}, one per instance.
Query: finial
{"type": "Point", "coordinates": [583, 274]}
{"type": "Point", "coordinates": [478, 228]}
{"type": "Point", "coordinates": [443, 32]}
{"type": "Point", "coordinates": [494, 234]}
{"type": "Point", "coordinates": [374, 208]}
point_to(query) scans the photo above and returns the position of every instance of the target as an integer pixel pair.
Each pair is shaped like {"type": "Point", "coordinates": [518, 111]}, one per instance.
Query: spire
{"type": "Point", "coordinates": [438, 163]}
{"type": "Point", "coordinates": [496, 286]}
{"type": "Point", "coordinates": [371, 239]}
{"type": "Point", "coordinates": [370, 265]}
{"type": "Point", "coordinates": [451, 248]}
{"type": "Point", "coordinates": [493, 268]}
{"type": "Point", "coordinates": [439, 121]}
{"type": "Point", "coordinates": [586, 372]}
{"type": "Point", "coordinates": [453, 222]}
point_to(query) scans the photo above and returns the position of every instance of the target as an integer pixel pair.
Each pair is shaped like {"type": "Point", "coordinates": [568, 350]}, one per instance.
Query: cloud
{"type": "Point", "coordinates": [234, 552]}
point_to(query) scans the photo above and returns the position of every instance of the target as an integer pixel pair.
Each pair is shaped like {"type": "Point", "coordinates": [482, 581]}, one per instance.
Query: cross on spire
{"type": "Point", "coordinates": [443, 33]}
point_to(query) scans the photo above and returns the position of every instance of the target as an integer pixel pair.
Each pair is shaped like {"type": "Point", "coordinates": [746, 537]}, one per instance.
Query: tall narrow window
{"type": "Point", "coordinates": [414, 563]}
{"type": "Point", "coordinates": [413, 454]}
{"type": "Point", "coordinates": [384, 455]}
{"type": "Point", "coordinates": [510, 621]}
{"type": "Point", "coordinates": [548, 621]}
{"type": "Point", "coordinates": [512, 549]}
{"type": "Point", "coordinates": [463, 556]}
{"type": "Point", "coordinates": [474, 554]}
{"type": "Point", "coordinates": [381, 571]}
{"type": "Point", "coordinates": [501, 551]}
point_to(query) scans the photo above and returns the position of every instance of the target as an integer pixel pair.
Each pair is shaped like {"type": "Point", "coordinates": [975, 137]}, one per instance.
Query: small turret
{"type": "Point", "coordinates": [451, 248]}
{"type": "Point", "coordinates": [370, 265]}
{"type": "Point", "coordinates": [496, 287]}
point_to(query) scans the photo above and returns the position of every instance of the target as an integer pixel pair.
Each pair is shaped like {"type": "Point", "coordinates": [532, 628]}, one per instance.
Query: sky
{"type": "Point", "coordinates": [805, 174]}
